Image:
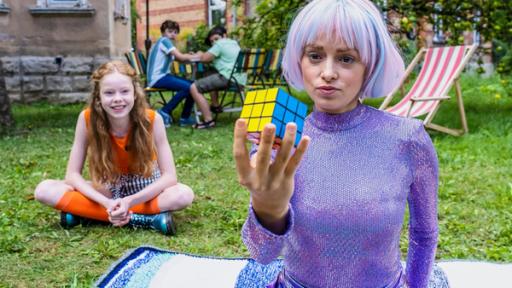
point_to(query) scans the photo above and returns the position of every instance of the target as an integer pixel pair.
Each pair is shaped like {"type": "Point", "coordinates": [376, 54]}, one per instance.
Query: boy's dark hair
{"type": "Point", "coordinates": [217, 30]}
{"type": "Point", "coordinates": [169, 24]}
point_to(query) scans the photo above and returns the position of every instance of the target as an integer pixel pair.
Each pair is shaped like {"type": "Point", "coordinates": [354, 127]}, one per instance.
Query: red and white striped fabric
{"type": "Point", "coordinates": [435, 78]}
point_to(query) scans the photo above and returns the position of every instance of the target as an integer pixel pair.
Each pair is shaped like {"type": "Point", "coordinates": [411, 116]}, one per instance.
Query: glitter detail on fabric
{"type": "Point", "coordinates": [351, 189]}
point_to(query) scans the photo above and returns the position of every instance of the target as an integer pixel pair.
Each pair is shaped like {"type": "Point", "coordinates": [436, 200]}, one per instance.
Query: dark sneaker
{"type": "Point", "coordinates": [68, 220]}
{"type": "Point", "coordinates": [187, 121]}
{"type": "Point", "coordinates": [161, 222]}
{"type": "Point", "coordinates": [164, 223]}
{"type": "Point", "coordinates": [167, 118]}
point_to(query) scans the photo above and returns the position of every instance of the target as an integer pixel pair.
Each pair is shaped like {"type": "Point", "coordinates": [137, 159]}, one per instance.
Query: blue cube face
{"type": "Point", "coordinates": [282, 98]}
{"type": "Point", "coordinates": [302, 110]}
{"type": "Point", "coordinates": [289, 116]}
{"type": "Point", "coordinates": [273, 106]}
{"type": "Point", "coordinates": [278, 112]}
{"type": "Point", "coordinates": [281, 132]}
{"type": "Point", "coordinates": [279, 126]}
{"type": "Point", "coordinates": [300, 124]}
{"type": "Point", "coordinates": [292, 104]}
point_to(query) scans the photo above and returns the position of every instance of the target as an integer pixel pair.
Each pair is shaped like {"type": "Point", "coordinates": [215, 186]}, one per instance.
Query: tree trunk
{"type": "Point", "coordinates": [6, 119]}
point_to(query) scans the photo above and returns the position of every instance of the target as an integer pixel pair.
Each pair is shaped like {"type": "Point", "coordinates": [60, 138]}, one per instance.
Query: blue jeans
{"type": "Point", "coordinates": [182, 86]}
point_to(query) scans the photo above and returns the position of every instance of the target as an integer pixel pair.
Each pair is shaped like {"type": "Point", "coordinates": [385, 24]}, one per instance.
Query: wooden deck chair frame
{"type": "Point", "coordinates": [417, 98]}
{"type": "Point", "coordinates": [250, 61]}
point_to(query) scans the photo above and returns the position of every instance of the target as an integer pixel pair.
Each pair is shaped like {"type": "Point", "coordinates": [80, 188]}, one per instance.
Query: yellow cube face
{"type": "Point", "coordinates": [260, 96]}
{"type": "Point", "coordinates": [246, 111]}
{"type": "Point", "coordinates": [250, 97]}
{"type": "Point", "coordinates": [268, 109]}
{"type": "Point", "coordinates": [271, 95]}
{"type": "Point", "coordinates": [263, 122]}
{"type": "Point", "coordinates": [253, 125]}
{"type": "Point", "coordinates": [256, 110]}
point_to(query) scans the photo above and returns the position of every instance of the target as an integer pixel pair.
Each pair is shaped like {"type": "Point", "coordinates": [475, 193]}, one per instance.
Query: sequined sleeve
{"type": "Point", "coordinates": [263, 245]}
{"type": "Point", "coordinates": [422, 199]}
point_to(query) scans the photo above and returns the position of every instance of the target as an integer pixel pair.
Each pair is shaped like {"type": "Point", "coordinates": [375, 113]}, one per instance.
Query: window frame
{"type": "Point", "coordinates": [122, 10]}
{"type": "Point", "coordinates": [51, 4]}
{"type": "Point", "coordinates": [64, 3]}
{"type": "Point", "coordinates": [210, 12]}
{"type": "Point", "coordinates": [4, 8]}
{"type": "Point", "coordinates": [54, 7]}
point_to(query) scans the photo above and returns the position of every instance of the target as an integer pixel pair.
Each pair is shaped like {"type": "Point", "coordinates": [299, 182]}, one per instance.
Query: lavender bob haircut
{"type": "Point", "coordinates": [359, 24]}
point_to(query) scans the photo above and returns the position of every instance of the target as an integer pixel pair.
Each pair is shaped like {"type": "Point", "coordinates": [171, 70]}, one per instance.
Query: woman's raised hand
{"type": "Point", "coordinates": [271, 184]}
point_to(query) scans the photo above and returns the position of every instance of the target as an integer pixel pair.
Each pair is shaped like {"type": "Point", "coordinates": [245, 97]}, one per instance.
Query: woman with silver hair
{"type": "Point", "coordinates": [334, 206]}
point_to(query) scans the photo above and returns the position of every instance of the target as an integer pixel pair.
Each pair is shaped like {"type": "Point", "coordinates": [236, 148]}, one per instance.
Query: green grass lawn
{"type": "Point", "coordinates": [475, 195]}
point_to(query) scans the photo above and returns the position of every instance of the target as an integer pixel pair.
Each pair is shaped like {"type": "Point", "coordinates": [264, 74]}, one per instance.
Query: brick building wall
{"type": "Point", "coordinates": [189, 14]}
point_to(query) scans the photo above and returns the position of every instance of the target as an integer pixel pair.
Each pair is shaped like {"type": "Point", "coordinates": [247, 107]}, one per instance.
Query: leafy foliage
{"type": "Point", "coordinates": [491, 18]}
{"type": "Point", "coordinates": [196, 42]}
{"type": "Point", "coordinates": [135, 17]}
{"type": "Point", "coordinates": [268, 29]}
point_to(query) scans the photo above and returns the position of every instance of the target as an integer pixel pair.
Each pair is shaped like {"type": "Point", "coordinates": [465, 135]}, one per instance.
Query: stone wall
{"type": "Point", "coordinates": [49, 52]}
{"type": "Point", "coordinates": [56, 79]}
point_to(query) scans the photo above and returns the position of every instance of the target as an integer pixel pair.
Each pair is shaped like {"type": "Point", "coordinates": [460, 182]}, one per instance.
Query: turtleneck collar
{"type": "Point", "coordinates": [342, 121]}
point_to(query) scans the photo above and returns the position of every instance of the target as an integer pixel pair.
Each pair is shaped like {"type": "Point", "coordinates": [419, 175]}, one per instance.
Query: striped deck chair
{"type": "Point", "coordinates": [253, 66]}
{"type": "Point", "coordinates": [251, 62]}
{"type": "Point", "coordinates": [273, 72]}
{"type": "Point", "coordinates": [186, 70]}
{"type": "Point", "coordinates": [441, 69]}
{"type": "Point", "coordinates": [137, 60]}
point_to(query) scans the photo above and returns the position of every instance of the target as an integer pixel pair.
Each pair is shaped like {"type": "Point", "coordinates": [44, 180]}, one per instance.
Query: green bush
{"type": "Point", "coordinates": [196, 42]}
{"type": "Point", "coordinates": [502, 56]}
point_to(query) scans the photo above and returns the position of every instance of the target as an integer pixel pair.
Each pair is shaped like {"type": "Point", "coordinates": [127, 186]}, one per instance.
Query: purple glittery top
{"type": "Point", "coordinates": [347, 210]}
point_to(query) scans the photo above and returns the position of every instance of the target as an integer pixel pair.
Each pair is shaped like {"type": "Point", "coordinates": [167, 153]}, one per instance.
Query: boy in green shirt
{"type": "Point", "coordinates": [223, 55]}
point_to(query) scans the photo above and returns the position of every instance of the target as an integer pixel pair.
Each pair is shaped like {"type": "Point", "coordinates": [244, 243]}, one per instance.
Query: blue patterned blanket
{"type": "Point", "coordinates": [147, 266]}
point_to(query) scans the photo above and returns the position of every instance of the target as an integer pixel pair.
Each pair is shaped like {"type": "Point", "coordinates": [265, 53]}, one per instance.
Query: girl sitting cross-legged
{"type": "Point", "coordinates": [130, 161]}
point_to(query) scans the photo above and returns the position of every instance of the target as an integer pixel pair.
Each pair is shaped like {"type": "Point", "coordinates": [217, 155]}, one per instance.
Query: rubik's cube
{"type": "Point", "coordinates": [273, 106]}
